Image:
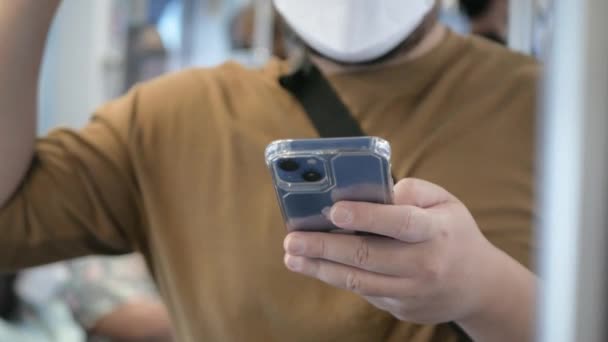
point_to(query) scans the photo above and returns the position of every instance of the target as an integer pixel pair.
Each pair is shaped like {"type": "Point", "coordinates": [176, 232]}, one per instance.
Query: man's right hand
{"type": "Point", "coordinates": [24, 25]}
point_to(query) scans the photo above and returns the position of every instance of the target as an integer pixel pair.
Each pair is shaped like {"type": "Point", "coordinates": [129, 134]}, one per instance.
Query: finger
{"type": "Point", "coordinates": [402, 222]}
{"type": "Point", "coordinates": [375, 254]}
{"type": "Point", "coordinates": [384, 303]}
{"type": "Point", "coordinates": [344, 277]}
{"type": "Point", "coordinates": [420, 193]}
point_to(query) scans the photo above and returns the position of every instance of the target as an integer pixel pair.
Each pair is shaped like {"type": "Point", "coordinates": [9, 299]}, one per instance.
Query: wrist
{"type": "Point", "coordinates": [507, 298]}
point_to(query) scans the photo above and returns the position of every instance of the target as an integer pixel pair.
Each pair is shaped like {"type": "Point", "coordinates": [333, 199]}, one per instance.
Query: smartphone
{"type": "Point", "coordinates": [310, 175]}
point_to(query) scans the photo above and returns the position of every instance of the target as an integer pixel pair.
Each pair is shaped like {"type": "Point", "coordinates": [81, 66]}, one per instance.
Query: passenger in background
{"type": "Point", "coordinates": [242, 28]}
{"type": "Point", "coordinates": [489, 18]}
{"type": "Point", "coordinates": [115, 299]}
{"type": "Point", "coordinates": [100, 299]}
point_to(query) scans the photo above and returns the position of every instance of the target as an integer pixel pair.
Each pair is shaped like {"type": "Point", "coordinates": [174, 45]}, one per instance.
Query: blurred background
{"type": "Point", "coordinates": [98, 49]}
{"type": "Point", "coordinates": [120, 42]}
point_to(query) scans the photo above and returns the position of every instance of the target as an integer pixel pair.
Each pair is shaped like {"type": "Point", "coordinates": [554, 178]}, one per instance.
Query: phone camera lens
{"type": "Point", "coordinates": [288, 165]}
{"type": "Point", "coordinates": [312, 176]}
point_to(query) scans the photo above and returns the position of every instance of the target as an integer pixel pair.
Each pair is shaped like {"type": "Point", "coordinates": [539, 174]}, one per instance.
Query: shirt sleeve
{"type": "Point", "coordinates": [503, 191]}
{"type": "Point", "coordinates": [488, 162]}
{"type": "Point", "coordinates": [79, 196]}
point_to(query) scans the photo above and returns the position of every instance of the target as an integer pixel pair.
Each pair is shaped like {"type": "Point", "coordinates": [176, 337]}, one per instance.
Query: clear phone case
{"type": "Point", "coordinates": [310, 175]}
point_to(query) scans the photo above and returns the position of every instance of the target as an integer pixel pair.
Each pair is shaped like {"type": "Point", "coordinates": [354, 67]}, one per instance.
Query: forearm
{"type": "Point", "coordinates": [136, 321]}
{"type": "Point", "coordinates": [24, 25]}
{"type": "Point", "coordinates": [508, 310]}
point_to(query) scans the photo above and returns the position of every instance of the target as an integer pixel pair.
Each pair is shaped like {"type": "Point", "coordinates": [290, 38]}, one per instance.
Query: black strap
{"type": "Point", "coordinates": [8, 297]}
{"type": "Point", "coordinates": [329, 115]}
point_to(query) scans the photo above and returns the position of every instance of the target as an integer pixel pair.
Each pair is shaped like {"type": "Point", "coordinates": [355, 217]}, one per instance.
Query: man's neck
{"type": "Point", "coordinates": [489, 28]}
{"type": "Point", "coordinates": [431, 39]}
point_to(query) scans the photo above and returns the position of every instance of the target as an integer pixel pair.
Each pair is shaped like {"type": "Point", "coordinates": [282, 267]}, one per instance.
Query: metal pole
{"type": "Point", "coordinates": [521, 25]}
{"type": "Point", "coordinates": [574, 177]}
{"type": "Point", "coordinates": [191, 9]}
{"type": "Point", "coordinates": [263, 33]}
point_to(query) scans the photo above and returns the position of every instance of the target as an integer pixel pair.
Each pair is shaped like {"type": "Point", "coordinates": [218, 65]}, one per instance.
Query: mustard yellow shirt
{"type": "Point", "coordinates": [175, 169]}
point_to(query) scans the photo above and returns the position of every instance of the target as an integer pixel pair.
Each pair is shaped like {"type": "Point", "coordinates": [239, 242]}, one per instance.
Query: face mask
{"type": "Point", "coordinates": [354, 31]}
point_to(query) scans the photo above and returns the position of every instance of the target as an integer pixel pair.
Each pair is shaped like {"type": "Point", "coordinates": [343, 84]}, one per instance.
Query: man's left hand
{"type": "Point", "coordinates": [431, 263]}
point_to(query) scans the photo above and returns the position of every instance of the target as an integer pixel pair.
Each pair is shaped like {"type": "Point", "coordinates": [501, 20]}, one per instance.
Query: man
{"type": "Point", "coordinates": [489, 18]}
{"type": "Point", "coordinates": [175, 170]}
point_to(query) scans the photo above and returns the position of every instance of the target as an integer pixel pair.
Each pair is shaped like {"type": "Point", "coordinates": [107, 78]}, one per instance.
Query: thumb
{"type": "Point", "coordinates": [420, 193]}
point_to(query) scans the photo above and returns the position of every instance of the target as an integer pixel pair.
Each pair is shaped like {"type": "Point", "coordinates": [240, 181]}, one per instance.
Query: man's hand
{"type": "Point", "coordinates": [431, 264]}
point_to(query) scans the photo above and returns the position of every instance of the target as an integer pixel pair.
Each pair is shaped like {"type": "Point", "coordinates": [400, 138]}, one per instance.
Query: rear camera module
{"type": "Point", "coordinates": [312, 176]}
{"type": "Point", "coordinates": [288, 165]}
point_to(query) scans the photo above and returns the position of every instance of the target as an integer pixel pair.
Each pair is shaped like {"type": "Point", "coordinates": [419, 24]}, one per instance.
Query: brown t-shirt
{"type": "Point", "coordinates": [175, 169]}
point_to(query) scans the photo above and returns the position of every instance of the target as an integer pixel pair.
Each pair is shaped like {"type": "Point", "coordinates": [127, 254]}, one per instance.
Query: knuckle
{"type": "Point", "coordinates": [441, 225]}
{"type": "Point", "coordinates": [406, 224]}
{"type": "Point", "coordinates": [353, 282]}
{"type": "Point", "coordinates": [432, 269]}
{"type": "Point", "coordinates": [319, 270]}
{"type": "Point", "coordinates": [409, 186]}
{"type": "Point", "coordinates": [322, 248]}
{"type": "Point", "coordinates": [443, 233]}
{"type": "Point", "coordinates": [361, 257]}
{"type": "Point", "coordinates": [405, 190]}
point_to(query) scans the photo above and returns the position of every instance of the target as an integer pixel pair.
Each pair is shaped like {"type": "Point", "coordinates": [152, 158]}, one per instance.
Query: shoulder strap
{"type": "Point", "coordinates": [8, 297]}
{"type": "Point", "coordinates": [329, 115]}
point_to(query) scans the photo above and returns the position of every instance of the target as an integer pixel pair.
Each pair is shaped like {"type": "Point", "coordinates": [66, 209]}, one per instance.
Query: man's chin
{"type": "Point", "coordinates": [405, 46]}
{"type": "Point", "coordinates": [347, 63]}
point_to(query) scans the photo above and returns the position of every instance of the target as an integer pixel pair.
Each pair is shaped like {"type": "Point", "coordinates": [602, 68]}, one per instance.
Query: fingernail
{"type": "Point", "coordinates": [293, 263]}
{"type": "Point", "coordinates": [341, 216]}
{"type": "Point", "coordinates": [295, 245]}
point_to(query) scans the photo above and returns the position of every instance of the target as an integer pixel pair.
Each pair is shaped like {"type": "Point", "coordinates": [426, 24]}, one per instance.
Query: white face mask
{"type": "Point", "coordinates": [354, 31]}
